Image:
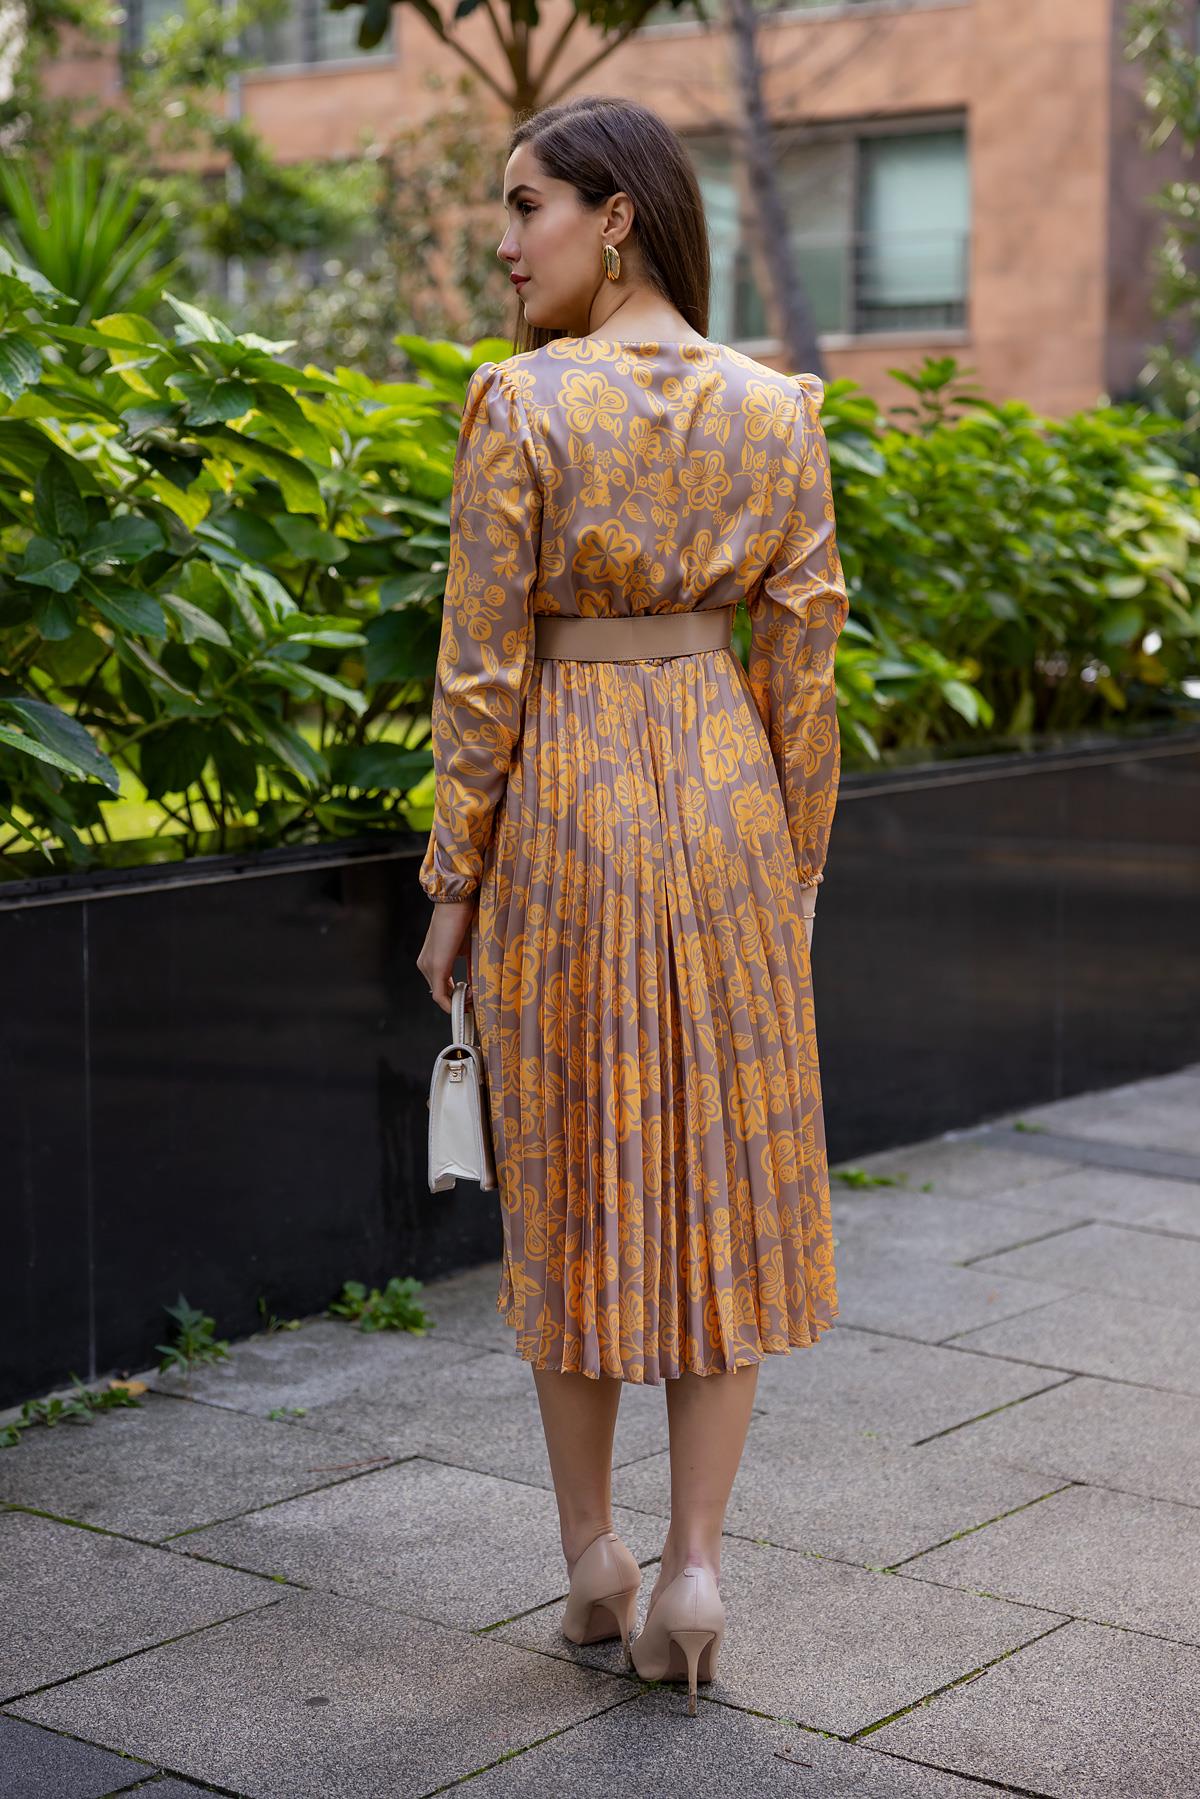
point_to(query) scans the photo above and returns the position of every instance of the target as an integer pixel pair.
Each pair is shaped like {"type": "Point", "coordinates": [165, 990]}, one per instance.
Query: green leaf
{"type": "Point", "coordinates": [401, 647]}
{"type": "Point", "coordinates": [201, 326]}
{"type": "Point", "coordinates": [1122, 624]}
{"type": "Point", "coordinates": [45, 565]}
{"type": "Point", "coordinates": [20, 364]}
{"type": "Point", "coordinates": [129, 609]}
{"type": "Point", "coordinates": [287, 745]}
{"type": "Point", "coordinates": [126, 538]}
{"type": "Point", "coordinates": [32, 279]}
{"type": "Point", "coordinates": [963, 699]}
{"type": "Point", "coordinates": [21, 740]}
{"type": "Point", "coordinates": [124, 328]}
{"type": "Point", "coordinates": [379, 766]}
{"type": "Point", "coordinates": [277, 404]}
{"type": "Point", "coordinates": [10, 818]}
{"type": "Point", "coordinates": [195, 622]}
{"type": "Point", "coordinates": [57, 731]}
{"type": "Point", "coordinates": [129, 650]}
{"type": "Point", "coordinates": [1124, 587]}
{"type": "Point", "coordinates": [279, 601]}
{"type": "Point", "coordinates": [138, 420]}
{"type": "Point", "coordinates": [57, 502]}
{"type": "Point", "coordinates": [296, 483]}
{"type": "Point", "coordinates": [210, 400]}
{"type": "Point", "coordinates": [332, 640]}
{"type": "Point", "coordinates": [236, 766]}
{"type": "Point", "coordinates": [308, 542]}
{"type": "Point", "coordinates": [337, 690]}
{"type": "Point", "coordinates": [73, 657]}
{"type": "Point", "coordinates": [173, 759]}
{"type": "Point", "coordinates": [246, 536]}
{"type": "Point", "coordinates": [54, 616]}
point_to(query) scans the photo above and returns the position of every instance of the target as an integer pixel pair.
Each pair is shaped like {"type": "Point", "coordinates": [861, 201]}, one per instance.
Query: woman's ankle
{"type": "Point", "coordinates": [696, 1554]}
{"type": "Point", "coordinates": [578, 1538]}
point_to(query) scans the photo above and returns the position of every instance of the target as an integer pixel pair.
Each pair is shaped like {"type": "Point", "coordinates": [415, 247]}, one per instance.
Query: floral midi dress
{"type": "Point", "coordinates": [635, 835]}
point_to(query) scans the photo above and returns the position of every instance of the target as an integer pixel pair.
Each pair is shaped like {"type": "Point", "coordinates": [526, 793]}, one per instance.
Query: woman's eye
{"type": "Point", "coordinates": [523, 206]}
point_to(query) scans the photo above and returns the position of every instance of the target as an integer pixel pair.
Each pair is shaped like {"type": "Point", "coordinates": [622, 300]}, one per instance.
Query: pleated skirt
{"type": "Point", "coordinates": [643, 1000]}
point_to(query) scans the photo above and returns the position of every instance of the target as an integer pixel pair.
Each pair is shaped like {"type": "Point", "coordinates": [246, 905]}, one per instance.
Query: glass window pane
{"type": "Point", "coordinates": [915, 226]}
{"type": "Point", "coordinates": [307, 32]}
{"type": "Point", "coordinates": [718, 188]}
{"type": "Point", "coordinates": [817, 180]}
{"type": "Point", "coordinates": [277, 42]}
{"type": "Point", "coordinates": [337, 35]}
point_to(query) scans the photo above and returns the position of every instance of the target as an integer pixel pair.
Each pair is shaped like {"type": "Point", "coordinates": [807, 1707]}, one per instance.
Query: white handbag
{"type": "Point", "coordinates": [460, 1135]}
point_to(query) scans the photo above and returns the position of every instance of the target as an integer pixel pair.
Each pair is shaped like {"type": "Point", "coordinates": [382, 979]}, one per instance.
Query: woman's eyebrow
{"type": "Point", "coordinates": [521, 187]}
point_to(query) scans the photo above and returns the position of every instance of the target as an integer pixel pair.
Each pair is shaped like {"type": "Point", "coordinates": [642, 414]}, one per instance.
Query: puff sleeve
{"type": "Point", "coordinates": [485, 654]}
{"type": "Point", "coordinates": [797, 611]}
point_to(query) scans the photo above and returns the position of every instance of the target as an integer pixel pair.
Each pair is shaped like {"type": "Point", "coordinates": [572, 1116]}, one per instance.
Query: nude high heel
{"type": "Point", "coordinates": [683, 1632]}
{"type": "Point", "coordinates": [604, 1590]}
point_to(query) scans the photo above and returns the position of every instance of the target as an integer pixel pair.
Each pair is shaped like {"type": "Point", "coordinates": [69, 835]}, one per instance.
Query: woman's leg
{"type": "Point", "coordinates": [579, 1417]}
{"type": "Point", "coordinates": [708, 1416]}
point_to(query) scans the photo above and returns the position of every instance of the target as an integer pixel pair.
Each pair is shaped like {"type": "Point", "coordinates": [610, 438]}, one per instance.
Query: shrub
{"type": "Point", "coordinates": [221, 574]}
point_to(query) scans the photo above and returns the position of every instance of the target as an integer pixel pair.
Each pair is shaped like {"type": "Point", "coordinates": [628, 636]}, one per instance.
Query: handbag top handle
{"type": "Point", "coordinates": [462, 1023]}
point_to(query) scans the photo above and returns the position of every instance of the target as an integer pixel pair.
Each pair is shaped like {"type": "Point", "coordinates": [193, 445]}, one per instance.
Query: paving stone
{"type": "Point", "coordinates": [863, 1382]}
{"type": "Point", "coordinates": [1108, 1557]}
{"type": "Point", "coordinates": [1086, 1333]}
{"type": "Point", "coordinates": [40, 1764]}
{"type": "Point", "coordinates": [1107, 1258]}
{"type": "Point", "coordinates": [637, 1750]}
{"type": "Point", "coordinates": [71, 1598]}
{"type": "Point", "coordinates": [317, 1697]}
{"type": "Point", "coordinates": [438, 1541]}
{"type": "Point", "coordinates": [822, 1644]}
{"type": "Point", "coordinates": [885, 1288]}
{"type": "Point", "coordinates": [946, 1229]}
{"type": "Point", "coordinates": [326, 1363]}
{"type": "Point", "coordinates": [483, 1413]}
{"type": "Point", "coordinates": [806, 1489]}
{"type": "Point", "coordinates": [1109, 1435]}
{"type": "Point", "coordinates": [464, 1306]}
{"type": "Point", "coordinates": [961, 1167]}
{"type": "Point", "coordinates": [1087, 1711]}
{"type": "Point", "coordinates": [1114, 1193]}
{"type": "Point", "coordinates": [157, 1468]}
{"type": "Point", "coordinates": [1142, 1114]}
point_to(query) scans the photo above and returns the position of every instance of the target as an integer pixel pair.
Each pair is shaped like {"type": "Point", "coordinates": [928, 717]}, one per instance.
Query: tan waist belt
{"type": "Point", "coordinates": [628, 639]}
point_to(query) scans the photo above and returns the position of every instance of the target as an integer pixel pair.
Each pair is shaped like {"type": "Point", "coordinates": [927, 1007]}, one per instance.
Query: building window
{"type": "Point", "coordinates": [911, 245]}
{"type": "Point", "coordinates": [305, 33]}
{"type": "Point", "coordinates": [880, 231]}
{"type": "Point", "coordinates": [309, 33]}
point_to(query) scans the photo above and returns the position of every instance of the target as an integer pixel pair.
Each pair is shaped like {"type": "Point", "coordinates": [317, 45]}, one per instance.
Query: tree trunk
{"type": "Point", "coordinates": [787, 302]}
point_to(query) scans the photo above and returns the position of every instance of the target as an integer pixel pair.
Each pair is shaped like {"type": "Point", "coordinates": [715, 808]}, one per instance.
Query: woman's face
{"type": "Point", "coordinates": [553, 241]}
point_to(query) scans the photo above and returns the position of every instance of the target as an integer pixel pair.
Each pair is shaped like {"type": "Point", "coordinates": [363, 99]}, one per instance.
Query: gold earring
{"type": "Point", "coordinates": [612, 262]}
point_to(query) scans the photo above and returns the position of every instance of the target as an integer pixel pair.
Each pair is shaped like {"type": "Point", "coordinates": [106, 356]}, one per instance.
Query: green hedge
{"type": "Point", "coordinates": [221, 576]}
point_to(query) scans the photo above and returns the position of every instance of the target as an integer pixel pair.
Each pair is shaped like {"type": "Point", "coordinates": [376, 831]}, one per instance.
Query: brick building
{"type": "Point", "coordinates": [963, 176]}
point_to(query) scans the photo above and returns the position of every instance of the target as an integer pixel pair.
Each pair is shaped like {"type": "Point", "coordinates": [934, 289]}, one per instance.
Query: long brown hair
{"type": "Point", "coordinates": [604, 145]}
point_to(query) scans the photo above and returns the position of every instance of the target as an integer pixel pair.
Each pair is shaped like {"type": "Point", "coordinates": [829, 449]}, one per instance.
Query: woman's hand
{"type": "Point", "coordinates": [448, 931]}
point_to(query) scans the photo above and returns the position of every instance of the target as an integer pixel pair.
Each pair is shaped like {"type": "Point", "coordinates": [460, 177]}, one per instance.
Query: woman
{"type": "Point", "coordinates": [629, 833]}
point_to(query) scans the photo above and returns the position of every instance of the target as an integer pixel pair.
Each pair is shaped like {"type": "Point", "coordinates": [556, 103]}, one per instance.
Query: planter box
{"type": "Point", "coordinates": [215, 1072]}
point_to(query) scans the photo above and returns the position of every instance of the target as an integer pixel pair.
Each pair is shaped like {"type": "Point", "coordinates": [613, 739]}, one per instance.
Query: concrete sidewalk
{"type": "Point", "coordinates": [962, 1553]}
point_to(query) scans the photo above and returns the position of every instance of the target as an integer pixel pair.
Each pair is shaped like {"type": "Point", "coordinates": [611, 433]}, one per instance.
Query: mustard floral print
{"type": "Point", "coordinates": [635, 836]}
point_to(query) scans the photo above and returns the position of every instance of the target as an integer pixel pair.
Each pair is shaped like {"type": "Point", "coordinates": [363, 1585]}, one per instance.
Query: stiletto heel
{"type": "Point", "coordinates": [693, 1644]}
{"type": "Point", "coordinates": [604, 1589]}
{"type": "Point", "coordinates": [683, 1633]}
